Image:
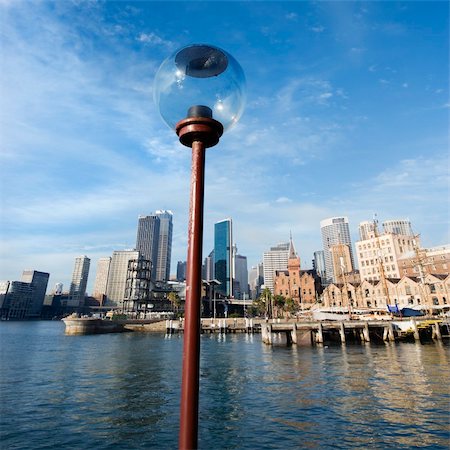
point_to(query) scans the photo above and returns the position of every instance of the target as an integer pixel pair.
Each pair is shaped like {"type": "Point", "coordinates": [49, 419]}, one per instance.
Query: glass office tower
{"type": "Point", "coordinates": [223, 257]}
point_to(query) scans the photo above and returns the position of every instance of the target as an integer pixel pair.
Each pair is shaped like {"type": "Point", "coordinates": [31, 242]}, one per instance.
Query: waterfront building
{"type": "Point", "coordinates": [164, 245]}
{"type": "Point", "coordinates": [240, 276]}
{"type": "Point", "coordinates": [275, 259]}
{"type": "Point", "coordinates": [117, 276]}
{"type": "Point", "coordinates": [319, 264]}
{"type": "Point", "coordinates": [181, 271]}
{"type": "Point", "coordinates": [334, 230]}
{"type": "Point", "coordinates": [138, 286]}
{"type": "Point", "coordinates": [434, 260]}
{"type": "Point", "coordinates": [378, 257]}
{"type": "Point", "coordinates": [407, 292]}
{"type": "Point", "coordinates": [223, 257]}
{"type": "Point", "coordinates": [256, 280]}
{"type": "Point", "coordinates": [101, 279]}
{"type": "Point", "coordinates": [147, 239]}
{"type": "Point", "coordinates": [39, 283]}
{"type": "Point", "coordinates": [78, 285]}
{"type": "Point", "coordinates": [294, 283]}
{"type": "Point", "coordinates": [398, 226]}
{"type": "Point", "coordinates": [15, 298]}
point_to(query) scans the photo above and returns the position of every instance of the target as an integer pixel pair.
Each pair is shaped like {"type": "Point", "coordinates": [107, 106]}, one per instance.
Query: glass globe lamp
{"type": "Point", "coordinates": [200, 80]}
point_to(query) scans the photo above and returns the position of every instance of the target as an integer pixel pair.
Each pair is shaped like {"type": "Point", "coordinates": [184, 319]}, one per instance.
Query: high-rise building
{"type": "Point", "coordinates": [15, 299]}
{"type": "Point", "coordinates": [79, 281]}
{"type": "Point", "coordinates": [181, 271]}
{"type": "Point", "coordinates": [335, 230]}
{"type": "Point", "coordinates": [39, 282]}
{"type": "Point", "coordinates": [117, 276]}
{"type": "Point", "coordinates": [208, 267]}
{"type": "Point", "coordinates": [319, 264]}
{"type": "Point", "coordinates": [164, 245]}
{"type": "Point", "coordinates": [147, 239]}
{"type": "Point", "coordinates": [223, 257]}
{"type": "Point", "coordinates": [275, 259]}
{"type": "Point", "coordinates": [366, 230]}
{"type": "Point", "coordinates": [154, 242]}
{"type": "Point", "coordinates": [101, 279]}
{"type": "Point", "coordinates": [398, 226]}
{"type": "Point", "coordinates": [240, 276]}
{"type": "Point", "coordinates": [256, 280]}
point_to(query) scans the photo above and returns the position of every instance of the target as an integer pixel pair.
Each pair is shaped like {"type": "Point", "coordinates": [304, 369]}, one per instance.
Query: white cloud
{"type": "Point", "coordinates": [154, 39]}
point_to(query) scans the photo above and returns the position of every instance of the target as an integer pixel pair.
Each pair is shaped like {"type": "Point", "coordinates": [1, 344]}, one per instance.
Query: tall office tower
{"type": "Point", "coordinates": [39, 282]}
{"type": "Point", "coordinates": [240, 276]}
{"type": "Point", "coordinates": [101, 279]}
{"type": "Point", "coordinates": [164, 245]}
{"type": "Point", "coordinates": [402, 227]}
{"type": "Point", "coordinates": [275, 259]}
{"type": "Point", "coordinates": [256, 280]}
{"type": "Point", "coordinates": [117, 276]}
{"type": "Point", "coordinates": [181, 271]}
{"type": "Point", "coordinates": [366, 230]}
{"type": "Point", "coordinates": [223, 257]}
{"type": "Point", "coordinates": [79, 281]}
{"type": "Point", "coordinates": [15, 299]}
{"type": "Point", "coordinates": [335, 230]}
{"type": "Point", "coordinates": [208, 267]}
{"type": "Point", "coordinates": [319, 264]}
{"type": "Point", "coordinates": [147, 240]}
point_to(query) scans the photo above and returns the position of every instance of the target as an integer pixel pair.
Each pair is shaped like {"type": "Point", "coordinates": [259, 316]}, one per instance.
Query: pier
{"type": "Point", "coordinates": [353, 331]}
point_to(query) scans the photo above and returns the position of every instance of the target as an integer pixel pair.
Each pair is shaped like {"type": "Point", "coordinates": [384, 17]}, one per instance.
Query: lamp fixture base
{"type": "Point", "coordinates": [202, 129]}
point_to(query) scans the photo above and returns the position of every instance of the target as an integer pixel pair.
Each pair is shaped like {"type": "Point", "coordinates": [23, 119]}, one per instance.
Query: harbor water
{"type": "Point", "coordinates": [121, 391]}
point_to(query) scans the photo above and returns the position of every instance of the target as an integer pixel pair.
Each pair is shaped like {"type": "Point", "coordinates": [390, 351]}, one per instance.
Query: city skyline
{"type": "Point", "coordinates": [347, 111]}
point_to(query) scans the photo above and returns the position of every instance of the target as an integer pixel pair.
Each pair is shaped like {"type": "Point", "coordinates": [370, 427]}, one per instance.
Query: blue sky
{"type": "Point", "coordinates": [347, 114]}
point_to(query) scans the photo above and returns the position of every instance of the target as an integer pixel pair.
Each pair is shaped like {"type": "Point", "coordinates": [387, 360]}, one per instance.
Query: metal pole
{"type": "Point", "coordinates": [191, 346]}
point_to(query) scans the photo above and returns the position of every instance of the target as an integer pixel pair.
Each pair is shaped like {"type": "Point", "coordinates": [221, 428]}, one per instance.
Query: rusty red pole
{"type": "Point", "coordinates": [197, 133]}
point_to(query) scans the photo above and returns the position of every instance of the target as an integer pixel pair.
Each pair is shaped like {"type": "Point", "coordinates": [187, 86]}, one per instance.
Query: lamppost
{"type": "Point", "coordinates": [199, 91]}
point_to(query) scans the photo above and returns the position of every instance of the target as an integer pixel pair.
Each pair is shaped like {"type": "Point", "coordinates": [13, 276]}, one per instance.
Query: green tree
{"type": "Point", "coordinates": [279, 302]}
{"type": "Point", "coordinates": [174, 300]}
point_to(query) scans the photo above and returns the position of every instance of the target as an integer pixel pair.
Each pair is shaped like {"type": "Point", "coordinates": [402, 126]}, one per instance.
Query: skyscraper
{"type": "Point", "coordinates": [101, 279]}
{"type": "Point", "coordinates": [402, 227]}
{"type": "Point", "coordinates": [39, 282]}
{"type": "Point", "coordinates": [181, 271]}
{"type": "Point", "coordinates": [223, 256]}
{"type": "Point", "coordinates": [117, 276]}
{"type": "Point", "coordinates": [148, 239]}
{"type": "Point", "coordinates": [79, 281]}
{"type": "Point", "coordinates": [208, 267]}
{"type": "Point", "coordinates": [319, 263]}
{"type": "Point", "coordinates": [275, 259]}
{"type": "Point", "coordinates": [240, 276]}
{"type": "Point", "coordinates": [154, 242]}
{"type": "Point", "coordinates": [164, 245]}
{"type": "Point", "coordinates": [256, 280]}
{"type": "Point", "coordinates": [335, 230]}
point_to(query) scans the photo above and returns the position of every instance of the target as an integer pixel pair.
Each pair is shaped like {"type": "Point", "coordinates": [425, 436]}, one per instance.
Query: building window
{"type": "Point", "coordinates": [432, 288]}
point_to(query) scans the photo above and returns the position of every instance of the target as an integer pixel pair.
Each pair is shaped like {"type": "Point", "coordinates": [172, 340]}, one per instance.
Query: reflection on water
{"type": "Point", "coordinates": [122, 391]}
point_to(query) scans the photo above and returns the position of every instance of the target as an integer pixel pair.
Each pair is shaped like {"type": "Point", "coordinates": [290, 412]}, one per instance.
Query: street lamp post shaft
{"type": "Point", "coordinates": [191, 347]}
